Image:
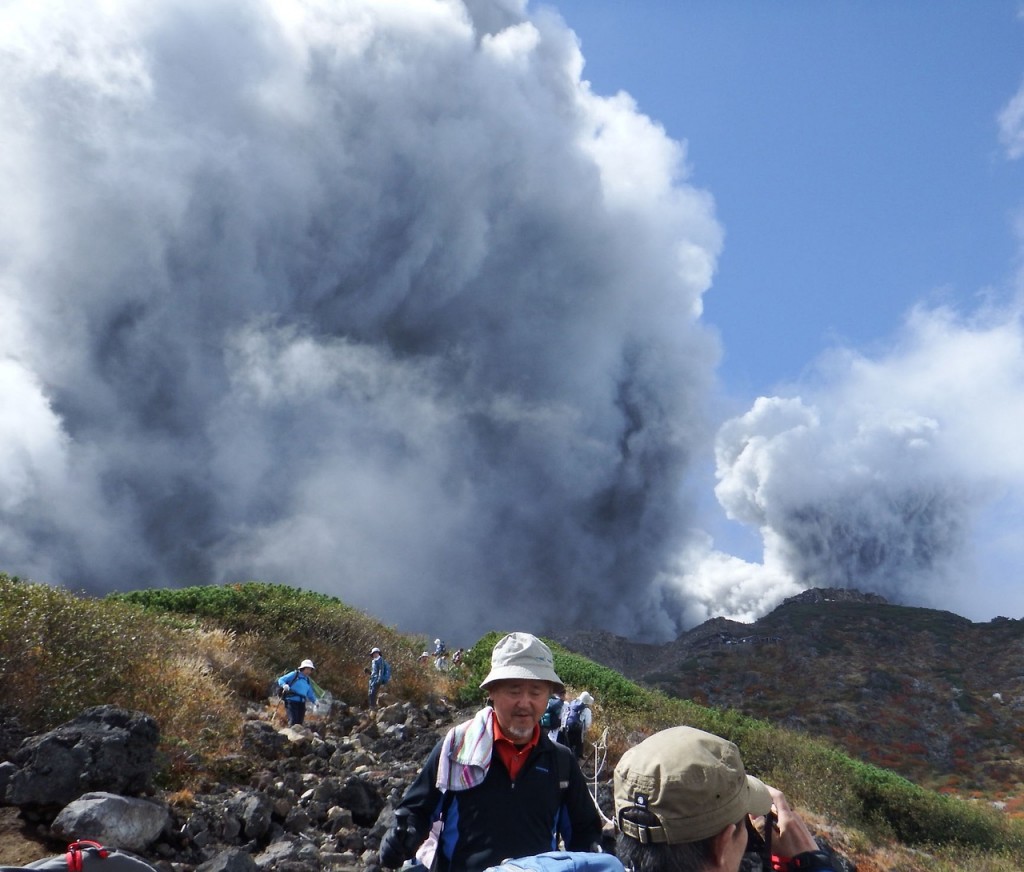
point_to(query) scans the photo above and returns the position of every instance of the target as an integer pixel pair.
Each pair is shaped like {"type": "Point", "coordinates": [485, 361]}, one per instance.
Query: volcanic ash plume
{"type": "Point", "coordinates": [900, 474]}
{"type": "Point", "coordinates": [374, 298]}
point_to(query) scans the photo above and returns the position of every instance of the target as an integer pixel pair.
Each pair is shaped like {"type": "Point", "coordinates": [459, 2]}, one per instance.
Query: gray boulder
{"type": "Point", "coordinates": [232, 860]}
{"type": "Point", "coordinates": [106, 748]}
{"type": "Point", "coordinates": [114, 821]}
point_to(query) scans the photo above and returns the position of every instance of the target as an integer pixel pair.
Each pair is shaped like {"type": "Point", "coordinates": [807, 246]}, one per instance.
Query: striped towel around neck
{"type": "Point", "coordinates": [466, 753]}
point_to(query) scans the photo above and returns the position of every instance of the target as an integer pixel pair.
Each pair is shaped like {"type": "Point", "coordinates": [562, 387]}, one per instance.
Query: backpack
{"type": "Point", "coordinates": [385, 672]}
{"type": "Point", "coordinates": [561, 861]}
{"type": "Point", "coordinates": [86, 856]}
{"type": "Point", "coordinates": [552, 716]}
{"type": "Point", "coordinates": [574, 719]}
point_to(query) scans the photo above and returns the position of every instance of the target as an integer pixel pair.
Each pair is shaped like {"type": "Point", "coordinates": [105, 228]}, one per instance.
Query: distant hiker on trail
{"type": "Point", "coordinates": [576, 720]}
{"type": "Point", "coordinates": [551, 720]}
{"type": "Point", "coordinates": [457, 657]}
{"type": "Point", "coordinates": [684, 801]}
{"type": "Point", "coordinates": [297, 687]}
{"type": "Point", "coordinates": [440, 655]}
{"type": "Point", "coordinates": [380, 674]}
{"type": "Point", "coordinates": [424, 658]}
{"type": "Point", "coordinates": [498, 786]}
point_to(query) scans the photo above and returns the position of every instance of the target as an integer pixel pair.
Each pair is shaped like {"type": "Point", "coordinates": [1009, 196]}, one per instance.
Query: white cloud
{"type": "Point", "coordinates": [1011, 126]}
{"type": "Point", "coordinates": [882, 474]}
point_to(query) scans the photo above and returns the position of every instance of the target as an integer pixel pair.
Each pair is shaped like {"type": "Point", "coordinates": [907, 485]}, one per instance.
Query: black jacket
{"type": "Point", "coordinates": [500, 819]}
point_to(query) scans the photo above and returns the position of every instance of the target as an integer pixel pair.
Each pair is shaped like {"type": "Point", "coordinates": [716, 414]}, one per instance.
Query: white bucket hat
{"type": "Point", "coordinates": [522, 656]}
{"type": "Point", "coordinates": [586, 698]}
{"type": "Point", "coordinates": [306, 663]}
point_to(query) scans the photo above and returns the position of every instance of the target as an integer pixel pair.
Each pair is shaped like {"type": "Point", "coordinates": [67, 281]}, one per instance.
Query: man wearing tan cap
{"type": "Point", "coordinates": [497, 786]}
{"type": "Point", "coordinates": [683, 802]}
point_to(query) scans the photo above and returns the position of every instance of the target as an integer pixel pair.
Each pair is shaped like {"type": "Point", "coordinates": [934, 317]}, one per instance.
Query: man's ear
{"type": "Point", "coordinates": [720, 846]}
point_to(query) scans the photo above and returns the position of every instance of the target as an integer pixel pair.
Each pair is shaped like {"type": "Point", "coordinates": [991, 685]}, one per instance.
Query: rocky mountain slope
{"type": "Point", "coordinates": [926, 693]}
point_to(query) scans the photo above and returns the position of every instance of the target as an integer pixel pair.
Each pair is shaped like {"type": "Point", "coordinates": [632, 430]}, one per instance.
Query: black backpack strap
{"type": "Point", "coordinates": [563, 766]}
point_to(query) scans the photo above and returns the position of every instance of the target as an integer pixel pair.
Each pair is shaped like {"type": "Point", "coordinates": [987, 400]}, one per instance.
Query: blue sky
{"type": "Point", "coordinates": [852, 150]}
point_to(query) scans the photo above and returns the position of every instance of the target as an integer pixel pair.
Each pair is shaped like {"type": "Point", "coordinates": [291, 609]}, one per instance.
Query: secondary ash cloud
{"type": "Point", "coordinates": [374, 298]}
{"type": "Point", "coordinates": [900, 473]}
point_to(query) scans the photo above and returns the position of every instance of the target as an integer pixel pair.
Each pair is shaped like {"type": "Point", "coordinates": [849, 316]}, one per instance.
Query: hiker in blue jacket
{"type": "Point", "coordinates": [298, 688]}
{"type": "Point", "coordinates": [496, 786]}
{"type": "Point", "coordinates": [684, 801]}
{"type": "Point", "coordinates": [380, 674]}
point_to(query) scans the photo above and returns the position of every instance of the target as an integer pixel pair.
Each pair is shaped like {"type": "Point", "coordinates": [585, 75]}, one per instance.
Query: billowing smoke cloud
{"type": "Point", "coordinates": [374, 298]}
{"type": "Point", "coordinates": [377, 298]}
{"type": "Point", "coordinates": [900, 473]}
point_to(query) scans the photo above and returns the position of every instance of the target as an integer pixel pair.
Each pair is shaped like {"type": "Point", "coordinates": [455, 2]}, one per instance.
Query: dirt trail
{"type": "Point", "coordinates": [18, 846]}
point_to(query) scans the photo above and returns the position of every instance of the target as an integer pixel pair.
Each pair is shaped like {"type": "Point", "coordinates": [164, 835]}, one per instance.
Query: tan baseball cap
{"type": "Point", "coordinates": [522, 656]}
{"type": "Point", "coordinates": [693, 782]}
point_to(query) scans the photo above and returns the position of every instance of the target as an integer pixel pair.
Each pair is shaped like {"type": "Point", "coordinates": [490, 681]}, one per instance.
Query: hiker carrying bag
{"type": "Point", "coordinates": [86, 856]}
{"type": "Point", "coordinates": [574, 719]}
{"type": "Point", "coordinates": [552, 717]}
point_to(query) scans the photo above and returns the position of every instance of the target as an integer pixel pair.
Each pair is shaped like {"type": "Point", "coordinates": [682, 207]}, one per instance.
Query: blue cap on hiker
{"type": "Point", "coordinates": [524, 657]}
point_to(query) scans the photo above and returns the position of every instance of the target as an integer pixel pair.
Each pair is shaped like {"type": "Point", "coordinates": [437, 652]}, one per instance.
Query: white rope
{"type": "Point", "coordinates": [600, 756]}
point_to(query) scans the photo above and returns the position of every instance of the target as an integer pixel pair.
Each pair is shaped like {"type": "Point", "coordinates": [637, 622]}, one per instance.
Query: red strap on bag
{"type": "Point", "coordinates": [74, 854]}
{"type": "Point", "coordinates": [808, 860]}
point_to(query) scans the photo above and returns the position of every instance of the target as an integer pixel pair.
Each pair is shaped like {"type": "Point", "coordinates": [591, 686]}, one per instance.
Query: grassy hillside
{"type": "Point", "coordinates": [194, 657]}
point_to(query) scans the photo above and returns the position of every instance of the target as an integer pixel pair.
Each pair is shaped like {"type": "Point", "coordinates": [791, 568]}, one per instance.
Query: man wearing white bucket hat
{"type": "Point", "coordinates": [497, 786]}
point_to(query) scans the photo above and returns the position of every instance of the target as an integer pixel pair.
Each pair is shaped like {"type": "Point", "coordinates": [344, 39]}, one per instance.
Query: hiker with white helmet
{"type": "Point", "coordinates": [298, 688]}
{"type": "Point", "coordinates": [576, 720]}
{"type": "Point", "coordinates": [496, 786]}
{"type": "Point", "coordinates": [684, 801]}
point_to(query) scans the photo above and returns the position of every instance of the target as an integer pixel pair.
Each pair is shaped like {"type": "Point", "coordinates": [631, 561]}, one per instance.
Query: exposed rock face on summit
{"type": "Point", "coordinates": [926, 693]}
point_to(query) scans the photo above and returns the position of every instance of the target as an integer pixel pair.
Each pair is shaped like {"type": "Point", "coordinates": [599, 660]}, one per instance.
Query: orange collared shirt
{"type": "Point", "coordinates": [512, 755]}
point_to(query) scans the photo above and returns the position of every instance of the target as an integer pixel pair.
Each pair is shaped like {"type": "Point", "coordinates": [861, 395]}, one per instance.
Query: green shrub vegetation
{"type": "Point", "coordinates": [193, 657]}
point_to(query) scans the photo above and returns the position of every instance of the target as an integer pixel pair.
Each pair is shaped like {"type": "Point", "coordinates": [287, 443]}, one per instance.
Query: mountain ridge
{"type": "Point", "coordinates": [926, 693]}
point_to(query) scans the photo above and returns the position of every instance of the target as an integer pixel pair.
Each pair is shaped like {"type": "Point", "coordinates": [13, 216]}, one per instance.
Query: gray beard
{"type": "Point", "coordinates": [514, 733]}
